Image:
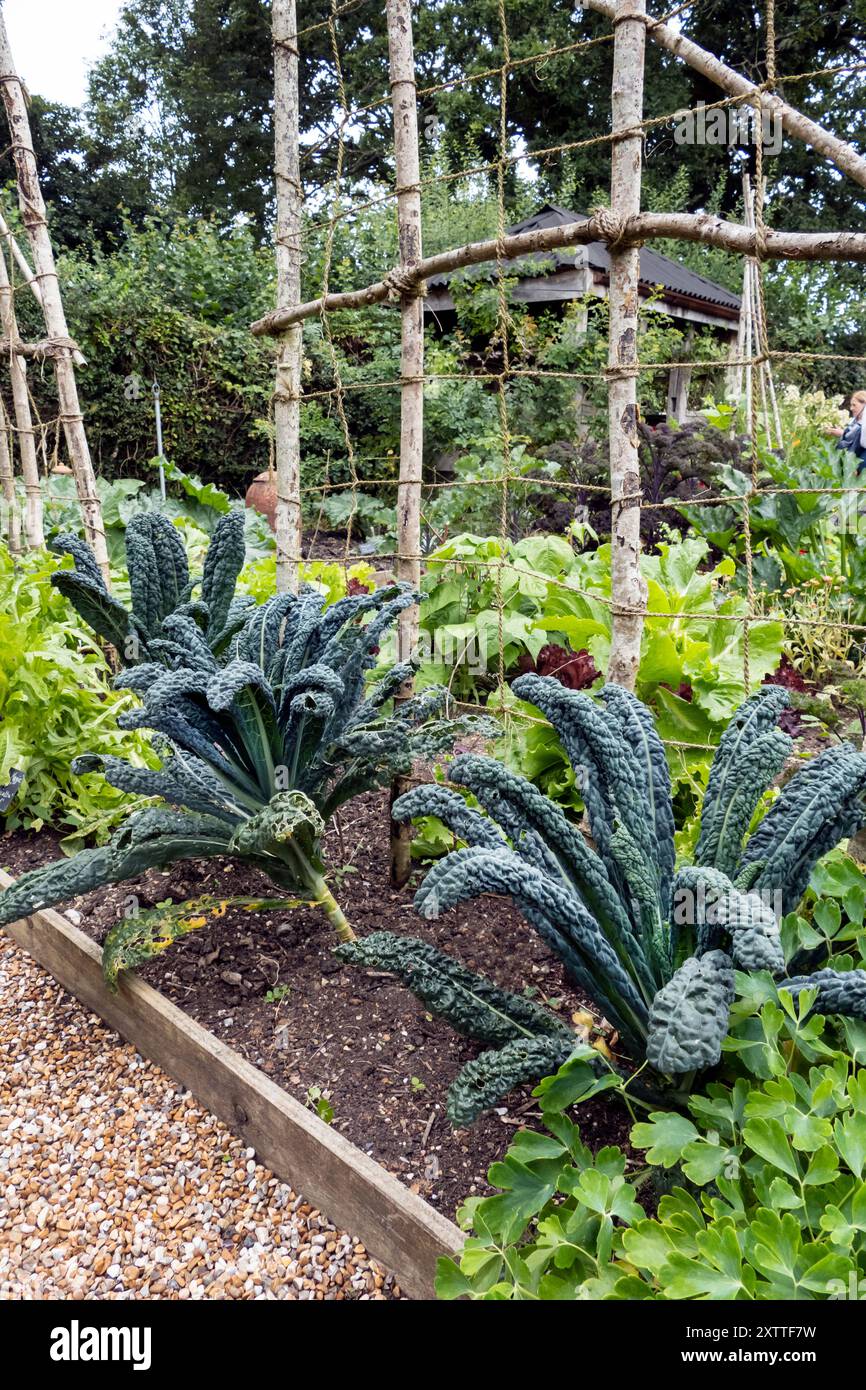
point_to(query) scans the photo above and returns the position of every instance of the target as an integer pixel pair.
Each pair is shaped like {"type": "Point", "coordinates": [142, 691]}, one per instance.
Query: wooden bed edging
{"type": "Point", "coordinates": [399, 1228]}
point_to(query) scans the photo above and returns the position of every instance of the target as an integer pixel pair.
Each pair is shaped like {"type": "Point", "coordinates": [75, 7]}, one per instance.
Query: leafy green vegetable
{"type": "Point", "coordinates": [140, 936]}
{"type": "Point", "coordinates": [486, 1079]}
{"type": "Point", "coordinates": [655, 952]}
{"type": "Point", "coordinates": [751, 752]}
{"type": "Point", "coordinates": [839, 991]}
{"type": "Point", "coordinates": [471, 1004]}
{"type": "Point", "coordinates": [528, 1040]}
{"type": "Point", "coordinates": [162, 623]}
{"type": "Point", "coordinates": [223, 564]}
{"type": "Point", "coordinates": [203, 493]}
{"type": "Point", "coordinates": [256, 754]}
{"type": "Point", "coordinates": [767, 1198]}
{"type": "Point", "coordinates": [54, 693]}
{"type": "Point", "coordinates": [689, 1016]}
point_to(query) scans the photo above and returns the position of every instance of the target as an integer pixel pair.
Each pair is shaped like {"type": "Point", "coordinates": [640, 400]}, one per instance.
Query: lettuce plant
{"type": "Point", "coordinates": [256, 756]}
{"type": "Point", "coordinates": [163, 619]}
{"type": "Point", "coordinates": [53, 693]}
{"type": "Point", "coordinates": [691, 668]}
{"type": "Point", "coordinates": [762, 1183]}
{"type": "Point", "coordinates": [654, 947]}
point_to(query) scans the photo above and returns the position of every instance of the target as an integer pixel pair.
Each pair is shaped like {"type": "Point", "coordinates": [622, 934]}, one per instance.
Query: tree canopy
{"type": "Point", "coordinates": [180, 106]}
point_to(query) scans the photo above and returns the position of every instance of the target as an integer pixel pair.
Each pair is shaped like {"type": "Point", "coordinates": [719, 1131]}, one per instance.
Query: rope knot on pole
{"type": "Point", "coordinates": [285, 393]}
{"type": "Point", "coordinates": [44, 349]}
{"type": "Point", "coordinates": [56, 346]}
{"type": "Point", "coordinates": [289, 46]}
{"type": "Point", "coordinates": [612, 229]}
{"type": "Point", "coordinates": [621, 373]}
{"type": "Point", "coordinates": [402, 283]}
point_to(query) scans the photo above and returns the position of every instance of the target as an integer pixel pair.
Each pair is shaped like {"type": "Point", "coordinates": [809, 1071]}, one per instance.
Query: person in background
{"type": "Point", "coordinates": [853, 436]}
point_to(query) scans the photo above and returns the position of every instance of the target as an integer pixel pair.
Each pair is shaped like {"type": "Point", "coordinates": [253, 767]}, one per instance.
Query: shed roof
{"type": "Point", "coordinates": [655, 269]}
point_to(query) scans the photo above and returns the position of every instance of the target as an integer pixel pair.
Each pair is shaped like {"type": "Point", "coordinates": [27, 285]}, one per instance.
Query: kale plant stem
{"type": "Point", "coordinates": [326, 900]}
{"type": "Point", "coordinates": [321, 895]}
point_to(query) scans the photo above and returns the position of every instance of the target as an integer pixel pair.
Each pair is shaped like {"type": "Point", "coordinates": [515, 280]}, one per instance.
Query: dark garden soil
{"type": "Point", "coordinates": [268, 985]}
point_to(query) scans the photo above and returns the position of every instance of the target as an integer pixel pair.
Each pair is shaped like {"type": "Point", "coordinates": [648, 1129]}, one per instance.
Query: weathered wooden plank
{"type": "Point", "coordinates": [356, 1193]}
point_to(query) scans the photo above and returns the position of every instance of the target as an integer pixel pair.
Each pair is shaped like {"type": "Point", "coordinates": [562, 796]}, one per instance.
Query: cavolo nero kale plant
{"type": "Point", "coordinates": [654, 947]}
{"type": "Point", "coordinates": [258, 749]}
{"type": "Point", "coordinates": [164, 624]}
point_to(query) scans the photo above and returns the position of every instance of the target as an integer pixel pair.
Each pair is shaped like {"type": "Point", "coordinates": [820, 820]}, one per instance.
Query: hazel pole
{"type": "Point", "coordinates": [33, 529]}
{"type": "Point", "coordinates": [287, 392]}
{"type": "Point", "coordinates": [33, 216]}
{"type": "Point", "coordinates": [842, 154]}
{"type": "Point", "coordinates": [628, 589]}
{"type": "Point", "coordinates": [11, 520]}
{"type": "Point", "coordinates": [404, 103]}
{"type": "Point", "coordinates": [702, 228]}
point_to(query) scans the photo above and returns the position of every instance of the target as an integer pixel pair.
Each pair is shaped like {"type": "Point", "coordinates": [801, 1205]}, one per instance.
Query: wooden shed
{"type": "Point", "coordinates": [573, 273]}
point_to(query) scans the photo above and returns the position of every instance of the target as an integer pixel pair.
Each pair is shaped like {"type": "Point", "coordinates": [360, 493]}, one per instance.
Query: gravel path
{"type": "Point", "coordinates": [116, 1185]}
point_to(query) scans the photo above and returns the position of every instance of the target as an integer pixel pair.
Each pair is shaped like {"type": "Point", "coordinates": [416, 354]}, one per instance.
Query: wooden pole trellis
{"type": "Point", "coordinates": [623, 227]}
{"type": "Point", "coordinates": [45, 273]}
{"type": "Point", "coordinates": [26, 435]}
{"type": "Point", "coordinates": [12, 520]}
{"type": "Point", "coordinates": [408, 174]}
{"type": "Point", "coordinates": [287, 391]}
{"type": "Point", "coordinates": [409, 290]}
{"type": "Point", "coordinates": [627, 586]}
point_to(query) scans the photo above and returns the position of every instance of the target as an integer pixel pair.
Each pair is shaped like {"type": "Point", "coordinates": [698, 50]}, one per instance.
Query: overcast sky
{"type": "Point", "coordinates": [54, 42]}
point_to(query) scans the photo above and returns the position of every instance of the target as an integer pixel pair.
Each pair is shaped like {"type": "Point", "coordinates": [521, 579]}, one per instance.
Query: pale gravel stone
{"type": "Point", "coordinates": [115, 1185]}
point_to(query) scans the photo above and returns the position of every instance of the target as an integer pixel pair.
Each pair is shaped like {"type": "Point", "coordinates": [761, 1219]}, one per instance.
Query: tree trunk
{"type": "Point", "coordinates": [628, 590]}
{"type": "Point", "coordinates": [33, 215]}
{"type": "Point", "coordinates": [11, 521]}
{"type": "Point", "coordinates": [405, 109]}
{"type": "Point", "coordinates": [287, 405]}
{"type": "Point", "coordinates": [33, 531]}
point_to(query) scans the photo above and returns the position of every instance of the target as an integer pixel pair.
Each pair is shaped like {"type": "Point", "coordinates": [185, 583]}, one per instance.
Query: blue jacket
{"type": "Point", "coordinates": [852, 438]}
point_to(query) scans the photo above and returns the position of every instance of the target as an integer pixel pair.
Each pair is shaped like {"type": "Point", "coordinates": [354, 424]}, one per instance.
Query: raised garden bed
{"type": "Point", "coordinates": [275, 1001]}
{"type": "Point", "coordinates": [404, 1232]}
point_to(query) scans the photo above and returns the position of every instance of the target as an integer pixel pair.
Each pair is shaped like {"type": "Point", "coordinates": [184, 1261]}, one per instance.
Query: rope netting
{"type": "Point", "coordinates": [43, 283]}
{"type": "Point", "coordinates": [27, 434]}
{"type": "Point", "coordinates": [332, 205]}
{"type": "Point", "coordinates": [364, 474]}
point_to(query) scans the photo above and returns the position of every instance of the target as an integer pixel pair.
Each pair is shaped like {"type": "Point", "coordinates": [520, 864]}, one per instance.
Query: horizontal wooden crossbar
{"type": "Point", "coordinates": [646, 226]}
{"type": "Point", "coordinates": [43, 350]}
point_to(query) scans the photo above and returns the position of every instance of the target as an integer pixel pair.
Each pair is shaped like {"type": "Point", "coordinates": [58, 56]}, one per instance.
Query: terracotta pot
{"type": "Point", "coordinates": [262, 497]}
